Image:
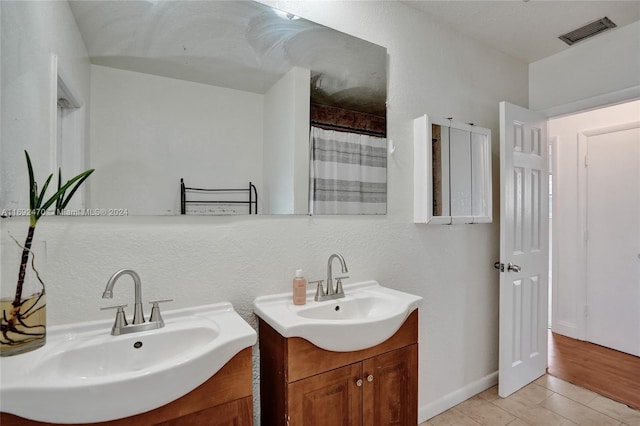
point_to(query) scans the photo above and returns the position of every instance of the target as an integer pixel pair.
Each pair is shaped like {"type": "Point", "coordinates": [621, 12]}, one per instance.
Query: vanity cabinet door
{"type": "Point", "coordinates": [328, 399]}
{"type": "Point", "coordinates": [390, 388]}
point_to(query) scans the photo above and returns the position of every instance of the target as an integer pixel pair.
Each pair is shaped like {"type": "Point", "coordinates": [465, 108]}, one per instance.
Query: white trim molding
{"type": "Point", "coordinates": [595, 102]}
{"type": "Point", "coordinates": [427, 411]}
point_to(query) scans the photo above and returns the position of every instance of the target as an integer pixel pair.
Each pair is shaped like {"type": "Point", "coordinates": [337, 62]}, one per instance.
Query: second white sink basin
{"type": "Point", "coordinates": [353, 308]}
{"type": "Point", "coordinates": [368, 315]}
{"type": "Point", "coordinates": [85, 375]}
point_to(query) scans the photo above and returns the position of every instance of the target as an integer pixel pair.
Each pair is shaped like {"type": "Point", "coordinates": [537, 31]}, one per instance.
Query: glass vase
{"type": "Point", "coordinates": [23, 313]}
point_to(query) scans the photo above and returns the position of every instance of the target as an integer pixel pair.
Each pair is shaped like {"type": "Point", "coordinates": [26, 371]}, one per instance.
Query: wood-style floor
{"type": "Point", "coordinates": [606, 371]}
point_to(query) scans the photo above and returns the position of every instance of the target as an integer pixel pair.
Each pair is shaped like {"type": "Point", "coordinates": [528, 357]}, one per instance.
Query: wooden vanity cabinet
{"type": "Point", "coordinates": [225, 399]}
{"type": "Point", "coordinates": [303, 385]}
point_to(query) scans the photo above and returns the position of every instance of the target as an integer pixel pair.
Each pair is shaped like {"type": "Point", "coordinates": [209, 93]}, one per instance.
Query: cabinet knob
{"type": "Point", "coordinates": [370, 378]}
{"type": "Point", "coordinates": [359, 383]}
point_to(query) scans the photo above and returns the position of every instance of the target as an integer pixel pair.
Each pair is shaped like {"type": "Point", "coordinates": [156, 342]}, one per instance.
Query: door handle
{"type": "Point", "coordinates": [499, 266]}
{"type": "Point", "coordinates": [511, 267]}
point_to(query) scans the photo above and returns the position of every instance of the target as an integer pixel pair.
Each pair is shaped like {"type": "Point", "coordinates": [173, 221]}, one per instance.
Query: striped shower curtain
{"type": "Point", "coordinates": [348, 173]}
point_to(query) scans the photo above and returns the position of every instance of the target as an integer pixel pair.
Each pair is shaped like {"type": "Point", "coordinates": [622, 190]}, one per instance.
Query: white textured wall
{"type": "Point", "coordinates": [569, 285]}
{"type": "Point", "coordinates": [286, 144]}
{"type": "Point", "coordinates": [605, 64]}
{"type": "Point", "coordinates": [147, 132]}
{"type": "Point", "coordinates": [32, 32]}
{"type": "Point", "coordinates": [201, 260]}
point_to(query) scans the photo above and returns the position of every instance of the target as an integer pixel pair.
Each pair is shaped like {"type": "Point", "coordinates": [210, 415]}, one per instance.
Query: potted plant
{"type": "Point", "coordinates": [23, 318]}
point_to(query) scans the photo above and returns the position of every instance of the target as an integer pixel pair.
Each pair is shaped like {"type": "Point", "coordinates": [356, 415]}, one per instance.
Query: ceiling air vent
{"type": "Point", "coordinates": [589, 30]}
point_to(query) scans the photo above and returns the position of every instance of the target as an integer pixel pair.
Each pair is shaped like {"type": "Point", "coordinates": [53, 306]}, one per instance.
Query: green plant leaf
{"type": "Point", "coordinates": [36, 204]}
{"type": "Point", "coordinates": [59, 206]}
{"type": "Point", "coordinates": [33, 186]}
{"type": "Point", "coordinates": [82, 176]}
{"type": "Point", "coordinates": [41, 196]}
{"type": "Point", "coordinates": [62, 201]}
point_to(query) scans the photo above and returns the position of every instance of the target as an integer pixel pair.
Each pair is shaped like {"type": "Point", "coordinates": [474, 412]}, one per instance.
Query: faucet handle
{"type": "Point", "coordinates": [155, 302]}
{"type": "Point", "coordinates": [319, 289]}
{"type": "Point", "coordinates": [339, 288]}
{"type": "Point", "coordinates": [121, 319]}
{"type": "Point", "coordinates": [118, 307]}
{"type": "Point", "coordinates": [155, 310]}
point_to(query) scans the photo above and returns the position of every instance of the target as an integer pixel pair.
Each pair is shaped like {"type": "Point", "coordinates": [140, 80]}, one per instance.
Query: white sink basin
{"type": "Point", "coordinates": [84, 374]}
{"type": "Point", "coordinates": [368, 315]}
{"type": "Point", "coordinates": [353, 308]}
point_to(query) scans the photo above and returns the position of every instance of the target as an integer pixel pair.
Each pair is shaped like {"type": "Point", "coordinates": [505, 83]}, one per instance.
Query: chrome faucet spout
{"type": "Point", "coordinates": [332, 292]}
{"type": "Point", "coordinates": [138, 315]}
{"type": "Point", "coordinates": [330, 288]}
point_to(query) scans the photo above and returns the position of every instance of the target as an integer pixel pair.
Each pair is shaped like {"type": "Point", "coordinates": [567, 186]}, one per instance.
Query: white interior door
{"type": "Point", "coordinates": [524, 248]}
{"type": "Point", "coordinates": [613, 238]}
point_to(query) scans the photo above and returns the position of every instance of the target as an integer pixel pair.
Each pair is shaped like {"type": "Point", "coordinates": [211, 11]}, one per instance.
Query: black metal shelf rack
{"type": "Point", "coordinates": [252, 195]}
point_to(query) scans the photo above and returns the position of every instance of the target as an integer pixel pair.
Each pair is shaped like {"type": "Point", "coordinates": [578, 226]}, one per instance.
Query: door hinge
{"type": "Point", "coordinates": [586, 163]}
{"type": "Point", "coordinates": [586, 235]}
{"type": "Point", "coordinates": [586, 310]}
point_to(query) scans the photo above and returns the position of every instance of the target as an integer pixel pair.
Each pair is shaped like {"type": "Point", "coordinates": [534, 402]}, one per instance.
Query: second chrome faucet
{"type": "Point", "coordinates": [120, 326]}
{"type": "Point", "coordinates": [332, 292]}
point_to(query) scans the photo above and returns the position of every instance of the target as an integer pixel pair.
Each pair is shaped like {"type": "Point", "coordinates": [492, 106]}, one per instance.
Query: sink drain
{"type": "Point", "coordinates": [337, 308]}
{"type": "Point", "coordinates": [137, 345]}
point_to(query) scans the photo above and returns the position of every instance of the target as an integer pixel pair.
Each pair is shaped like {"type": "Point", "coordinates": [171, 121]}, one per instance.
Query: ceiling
{"type": "Point", "coordinates": [241, 45]}
{"type": "Point", "coordinates": [526, 30]}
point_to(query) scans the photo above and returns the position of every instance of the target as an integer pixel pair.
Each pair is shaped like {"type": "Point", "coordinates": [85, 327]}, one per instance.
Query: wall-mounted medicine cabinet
{"type": "Point", "coordinates": [452, 172]}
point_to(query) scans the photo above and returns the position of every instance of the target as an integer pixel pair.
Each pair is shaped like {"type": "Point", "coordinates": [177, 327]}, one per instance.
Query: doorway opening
{"type": "Point", "coordinates": [594, 245]}
{"type": "Point", "coordinates": [67, 151]}
{"type": "Point", "coordinates": [579, 224]}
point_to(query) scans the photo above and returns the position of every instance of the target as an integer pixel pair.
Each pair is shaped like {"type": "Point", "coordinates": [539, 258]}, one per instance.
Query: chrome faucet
{"type": "Point", "coordinates": [332, 292]}
{"type": "Point", "coordinates": [138, 315]}
{"type": "Point", "coordinates": [120, 325]}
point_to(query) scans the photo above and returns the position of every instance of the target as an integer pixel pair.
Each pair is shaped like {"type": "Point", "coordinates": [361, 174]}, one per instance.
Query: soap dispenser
{"type": "Point", "coordinates": [299, 288]}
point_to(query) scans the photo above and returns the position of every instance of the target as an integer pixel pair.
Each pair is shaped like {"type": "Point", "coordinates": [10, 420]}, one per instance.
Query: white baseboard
{"type": "Point", "coordinates": [565, 328]}
{"type": "Point", "coordinates": [427, 411]}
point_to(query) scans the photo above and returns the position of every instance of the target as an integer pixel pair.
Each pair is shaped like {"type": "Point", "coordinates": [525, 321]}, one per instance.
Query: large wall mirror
{"type": "Point", "coordinates": [220, 94]}
{"type": "Point", "coordinates": [452, 172]}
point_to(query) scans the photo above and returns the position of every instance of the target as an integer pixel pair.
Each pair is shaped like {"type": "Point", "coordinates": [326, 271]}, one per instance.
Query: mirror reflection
{"type": "Point", "coordinates": [460, 172]}
{"type": "Point", "coordinates": [220, 94]}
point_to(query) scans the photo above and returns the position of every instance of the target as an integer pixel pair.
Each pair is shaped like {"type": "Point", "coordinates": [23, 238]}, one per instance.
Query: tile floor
{"type": "Point", "coordinates": [548, 401]}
